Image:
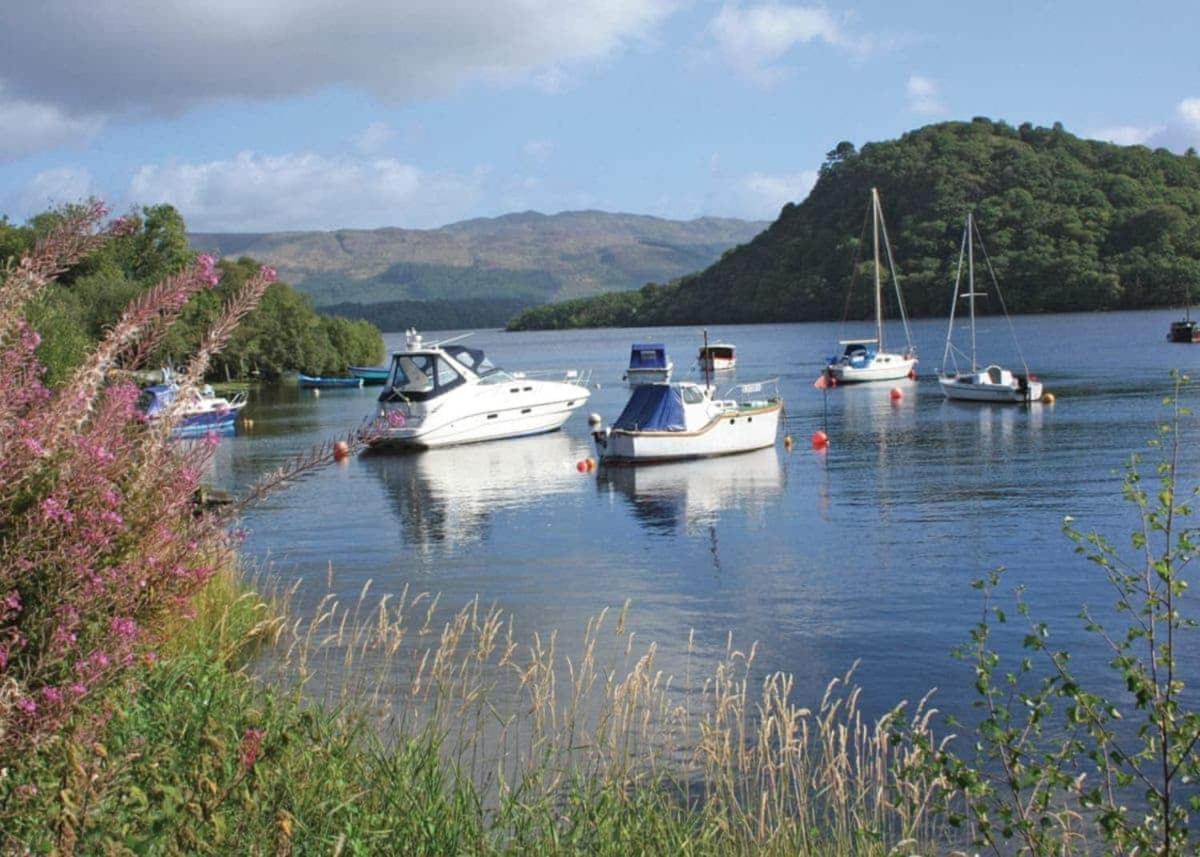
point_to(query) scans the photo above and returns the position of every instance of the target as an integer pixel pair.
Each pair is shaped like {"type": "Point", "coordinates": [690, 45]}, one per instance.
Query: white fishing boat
{"type": "Point", "coordinates": [667, 422]}
{"type": "Point", "coordinates": [993, 383]}
{"type": "Point", "coordinates": [648, 364]}
{"type": "Point", "coordinates": [864, 360]}
{"type": "Point", "coordinates": [438, 394]}
{"type": "Point", "coordinates": [718, 357]}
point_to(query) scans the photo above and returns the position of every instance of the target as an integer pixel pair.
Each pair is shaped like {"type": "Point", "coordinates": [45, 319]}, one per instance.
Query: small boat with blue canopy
{"type": "Point", "coordinates": [328, 381]}
{"type": "Point", "coordinates": [200, 411]}
{"type": "Point", "coordinates": [648, 364]}
{"type": "Point", "coordinates": [666, 422]}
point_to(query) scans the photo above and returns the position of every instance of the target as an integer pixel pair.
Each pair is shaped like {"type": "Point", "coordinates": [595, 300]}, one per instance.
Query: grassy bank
{"type": "Point", "coordinates": [203, 757]}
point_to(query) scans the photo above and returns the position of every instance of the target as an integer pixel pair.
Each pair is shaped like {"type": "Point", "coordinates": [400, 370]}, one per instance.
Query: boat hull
{"type": "Point", "coordinates": [371, 375]}
{"type": "Point", "coordinates": [884, 367]}
{"type": "Point", "coordinates": [963, 390]}
{"type": "Point", "coordinates": [487, 418]}
{"type": "Point", "coordinates": [729, 433]}
{"type": "Point", "coordinates": [316, 381]}
{"type": "Point", "coordinates": [1184, 331]}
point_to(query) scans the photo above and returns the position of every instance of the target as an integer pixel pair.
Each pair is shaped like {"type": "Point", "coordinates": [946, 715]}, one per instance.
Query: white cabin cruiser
{"type": "Point", "coordinates": [439, 394]}
{"type": "Point", "coordinates": [666, 422]}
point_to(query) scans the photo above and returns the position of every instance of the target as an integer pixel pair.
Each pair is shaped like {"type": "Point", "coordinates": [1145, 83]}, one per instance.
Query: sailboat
{"type": "Point", "coordinates": [868, 359]}
{"type": "Point", "coordinates": [993, 383]}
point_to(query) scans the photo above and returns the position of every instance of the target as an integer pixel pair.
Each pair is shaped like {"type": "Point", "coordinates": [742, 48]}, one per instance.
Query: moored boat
{"type": "Point", "coordinates": [200, 411]}
{"type": "Point", "coordinates": [320, 381]}
{"type": "Point", "coordinates": [993, 383]}
{"type": "Point", "coordinates": [439, 394]}
{"type": "Point", "coordinates": [672, 421]}
{"type": "Point", "coordinates": [371, 375]}
{"type": "Point", "coordinates": [648, 364]}
{"type": "Point", "coordinates": [719, 356]}
{"type": "Point", "coordinates": [865, 360]}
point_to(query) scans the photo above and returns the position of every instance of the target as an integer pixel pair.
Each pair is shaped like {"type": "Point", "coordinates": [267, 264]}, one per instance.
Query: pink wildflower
{"type": "Point", "coordinates": [12, 601]}
{"type": "Point", "coordinates": [52, 695]}
{"type": "Point", "coordinates": [123, 627]}
{"type": "Point", "coordinates": [27, 705]}
{"type": "Point", "coordinates": [395, 419]}
{"type": "Point", "coordinates": [34, 447]}
{"type": "Point", "coordinates": [268, 273]}
{"type": "Point", "coordinates": [53, 510]}
{"type": "Point", "coordinates": [206, 269]}
{"type": "Point", "coordinates": [251, 747]}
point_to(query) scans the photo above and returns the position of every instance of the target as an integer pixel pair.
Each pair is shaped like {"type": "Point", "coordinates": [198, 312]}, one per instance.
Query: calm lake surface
{"type": "Point", "coordinates": [865, 552]}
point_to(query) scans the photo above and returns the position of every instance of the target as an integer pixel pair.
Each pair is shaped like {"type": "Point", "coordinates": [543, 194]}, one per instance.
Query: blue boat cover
{"type": "Point", "coordinates": [649, 355]}
{"type": "Point", "coordinates": [155, 399]}
{"type": "Point", "coordinates": [652, 407]}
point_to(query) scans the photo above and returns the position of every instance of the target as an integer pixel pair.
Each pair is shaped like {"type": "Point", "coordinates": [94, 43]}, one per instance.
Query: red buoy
{"type": "Point", "coordinates": [897, 394]}
{"type": "Point", "coordinates": [341, 451]}
{"type": "Point", "coordinates": [581, 465]}
{"type": "Point", "coordinates": [820, 440]}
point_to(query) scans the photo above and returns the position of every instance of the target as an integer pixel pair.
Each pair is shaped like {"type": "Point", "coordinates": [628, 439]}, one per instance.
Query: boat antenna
{"type": "Point", "coordinates": [706, 361]}
{"type": "Point", "coordinates": [442, 342]}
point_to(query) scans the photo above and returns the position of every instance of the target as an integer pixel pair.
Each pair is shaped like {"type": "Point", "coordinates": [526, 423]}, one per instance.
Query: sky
{"type": "Point", "coordinates": [264, 115]}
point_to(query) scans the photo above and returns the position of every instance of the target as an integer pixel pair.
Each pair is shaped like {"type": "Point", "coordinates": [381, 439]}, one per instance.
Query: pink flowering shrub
{"type": "Point", "coordinates": [101, 544]}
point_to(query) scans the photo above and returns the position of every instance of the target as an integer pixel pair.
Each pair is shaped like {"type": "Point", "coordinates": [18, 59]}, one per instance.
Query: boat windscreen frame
{"type": "Point", "coordinates": [432, 375]}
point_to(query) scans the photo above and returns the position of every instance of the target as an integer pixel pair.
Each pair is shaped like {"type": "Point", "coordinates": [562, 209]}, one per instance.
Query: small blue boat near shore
{"type": "Point", "coordinates": [321, 381]}
{"type": "Point", "coordinates": [371, 375]}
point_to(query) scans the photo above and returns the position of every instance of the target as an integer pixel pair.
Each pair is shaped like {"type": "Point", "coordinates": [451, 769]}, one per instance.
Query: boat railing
{"type": "Point", "coordinates": [582, 377]}
{"type": "Point", "coordinates": [754, 392]}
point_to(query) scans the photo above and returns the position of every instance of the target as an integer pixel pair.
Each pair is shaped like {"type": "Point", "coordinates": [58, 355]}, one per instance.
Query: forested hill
{"type": "Point", "coordinates": [528, 258]}
{"type": "Point", "coordinates": [1069, 224]}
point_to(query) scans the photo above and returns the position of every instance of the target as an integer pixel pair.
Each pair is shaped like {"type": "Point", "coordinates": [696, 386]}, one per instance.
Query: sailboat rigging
{"type": "Point", "coordinates": [992, 383]}
{"type": "Point", "coordinates": [868, 359]}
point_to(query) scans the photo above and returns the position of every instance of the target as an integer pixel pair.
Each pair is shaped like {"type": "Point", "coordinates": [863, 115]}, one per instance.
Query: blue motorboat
{"type": "Point", "coordinates": [201, 412]}
{"type": "Point", "coordinates": [371, 375]}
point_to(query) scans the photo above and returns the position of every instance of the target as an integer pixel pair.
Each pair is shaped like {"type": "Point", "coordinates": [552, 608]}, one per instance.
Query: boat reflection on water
{"type": "Point", "coordinates": [448, 497]}
{"type": "Point", "coordinates": [692, 494]}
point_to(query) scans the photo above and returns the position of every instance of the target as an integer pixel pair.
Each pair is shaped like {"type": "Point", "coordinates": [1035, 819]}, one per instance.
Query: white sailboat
{"type": "Point", "coordinates": [993, 383]}
{"type": "Point", "coordinates": [868, 359]}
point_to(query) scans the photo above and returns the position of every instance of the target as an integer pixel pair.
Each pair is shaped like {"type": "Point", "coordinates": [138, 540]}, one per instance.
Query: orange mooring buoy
{"type": "Point", "coordinates": [341, 451]}
{"type": "Point", "coordinates": [787, 442]}
{"type": "Point", "coordinates": [820, 440]}
{"type": "Point", "coordinates": [581, 465]}
{"type": "Point", "coordinates": [897, 394]}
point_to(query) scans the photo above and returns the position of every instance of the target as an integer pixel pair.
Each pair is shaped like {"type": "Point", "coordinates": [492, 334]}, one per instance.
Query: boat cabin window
{"type": "Point", "coordinates": [421, 376]}
{"type": "Point", "coordinates": [473, 358]}
{"type": "Point", "coordinates": [692, 395]}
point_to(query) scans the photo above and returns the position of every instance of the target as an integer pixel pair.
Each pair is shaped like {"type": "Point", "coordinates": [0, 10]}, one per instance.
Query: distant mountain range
{"type": "Point", "coordinates": [515, 260]}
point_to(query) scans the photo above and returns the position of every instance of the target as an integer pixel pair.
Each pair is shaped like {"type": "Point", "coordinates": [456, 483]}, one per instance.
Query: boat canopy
{"type": "Point", "coordinates": [155, 399]}
{"type": "Point", "coordinates": [420, 376]}
{"type": "Point", "coordinates": [648, 355]}
{"type": "Point", "coordinates": [653, 407]}
{"type": "Point", "coordinates": [473, 358]}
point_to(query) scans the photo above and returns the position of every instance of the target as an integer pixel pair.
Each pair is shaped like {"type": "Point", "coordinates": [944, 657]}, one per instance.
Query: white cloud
{"type": "Point", "coordinates": [374, 138]}
{"type": "Point", "coordinates": [1179, 132]}
{"type": "Point", "coordinates": [1188, 110]}
{"type": "Point", "coordinates": [754, 38]}
{"type": "Point", "coordinates": [163, 58]}
{"type": "Point", "coordinates": [766, 194]}
{"type": "Point", "coordinates": [1127, 135]}
{"type": "Point", "coordinates": [30, 127]}
{"type": "Point", "coordinates": [924, 96]}
{"type": "Point", "coordinates": [55, 187]}
{"type": "Point", "coordinates": [255, 192]}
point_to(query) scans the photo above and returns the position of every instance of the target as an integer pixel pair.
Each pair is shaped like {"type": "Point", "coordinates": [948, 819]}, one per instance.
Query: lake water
{"type": "Point", "coordinates": [864, 552]}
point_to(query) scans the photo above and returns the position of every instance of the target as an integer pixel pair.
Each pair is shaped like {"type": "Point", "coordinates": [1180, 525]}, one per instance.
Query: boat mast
{"type": "Point", "coordinates": [971, 282]}
{"type": "Point", "coordinates": [878, 288]}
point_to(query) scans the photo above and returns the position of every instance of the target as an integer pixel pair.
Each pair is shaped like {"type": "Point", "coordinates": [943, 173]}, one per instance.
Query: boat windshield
{"type": "Point", "coordinates": [421, 376]}
{"type": "Point", "coordinates": [473, 358]}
